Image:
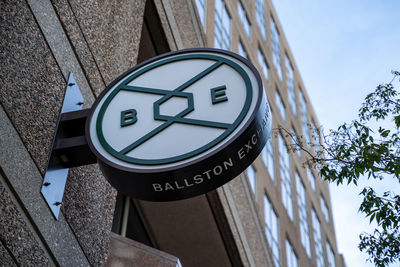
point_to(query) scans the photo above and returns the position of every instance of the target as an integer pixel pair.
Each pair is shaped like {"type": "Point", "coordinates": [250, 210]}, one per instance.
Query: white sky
{"type": "Point", "coordinates": [343, 50]}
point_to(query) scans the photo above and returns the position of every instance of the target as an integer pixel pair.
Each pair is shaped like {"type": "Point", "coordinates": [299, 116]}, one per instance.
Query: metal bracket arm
{"type": "Point", "coordinates": [69, 147]}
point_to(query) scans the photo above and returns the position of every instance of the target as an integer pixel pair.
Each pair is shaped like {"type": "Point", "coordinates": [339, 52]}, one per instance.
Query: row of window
{"type": "Point", "coordinates": [260, 18]}
{"type": "Point", "coordinates": [220, 8]}
{"type": "Point", "coordinates": [271, 219]}
{"type": "Point", "coordinates": [243, 18]}
{"type": "Point", "coordinates": [222, 40]}
{"type": "Point", "coordinates": [267, 155]}
{"type": "Point", "coordinates": [222, 31]}
{"type": "Point", "coordinates": [222, 36]}
{"type": "Point", "coordinates": [272, 234]}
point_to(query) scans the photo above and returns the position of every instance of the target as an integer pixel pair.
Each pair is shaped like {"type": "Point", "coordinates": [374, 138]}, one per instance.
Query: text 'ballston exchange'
{"type": "Point", "coordinates": [197, 179]}
{"type": "Point", "coordinates": [221, 169]}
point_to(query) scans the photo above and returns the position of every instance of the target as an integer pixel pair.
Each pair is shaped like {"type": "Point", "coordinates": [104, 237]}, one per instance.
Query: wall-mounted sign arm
{"type": "Point", "coordinates": [69, 148]}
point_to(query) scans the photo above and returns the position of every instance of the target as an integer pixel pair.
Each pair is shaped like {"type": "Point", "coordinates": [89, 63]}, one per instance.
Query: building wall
{"type": "Point", "coordinates": [42, 42]}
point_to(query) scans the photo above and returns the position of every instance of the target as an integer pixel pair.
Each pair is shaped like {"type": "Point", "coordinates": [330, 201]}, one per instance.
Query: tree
{"type": "Point", "coordinates": [367, 147]}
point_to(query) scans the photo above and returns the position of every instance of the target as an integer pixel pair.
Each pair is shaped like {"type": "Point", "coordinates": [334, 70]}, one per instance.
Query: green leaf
{"type": "Point", "coordinates": [397, 120]}
{"type": "Point", "coordinates": [372, 218]}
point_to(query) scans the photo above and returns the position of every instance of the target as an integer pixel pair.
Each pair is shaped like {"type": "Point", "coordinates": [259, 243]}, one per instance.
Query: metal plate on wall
{"type": "Point", "coordinates": [56, 176]}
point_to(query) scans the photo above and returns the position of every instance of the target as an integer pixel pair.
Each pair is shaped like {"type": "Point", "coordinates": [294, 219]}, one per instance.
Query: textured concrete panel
{"type": "Point", "coordinates": [89, 199]}
{"type": "Point", "coordinates": [225, 218]}
{"type": "Point", "coordinates": [5, 257]}
{"type": "Point", "coordinates": [59, 45]}
{"type": "Point", "coordinates": [165, 25]}
{"type": "Point", "coordinates": [89, 203]}
{"type": "Point", "coordinates": [127, 252]}
{"type": "Point", "coordinates": [249, 219]}
{"type": "Point", "coordinates": [78, 41]}
{"type": "Point", "coordinates": [25, 180]}
{"type": "Point", "coordinates": [184, 20]}
{"type": "Point", "coordinates": [16, 236]}
{"type": "Point", "coordinates": [112, 30]}
{"type": "Point", "coordinates": [32, 86]}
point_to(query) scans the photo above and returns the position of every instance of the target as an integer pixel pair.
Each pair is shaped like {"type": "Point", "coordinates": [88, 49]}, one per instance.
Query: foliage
{"type": "Point", "coordinates": [366, 147]}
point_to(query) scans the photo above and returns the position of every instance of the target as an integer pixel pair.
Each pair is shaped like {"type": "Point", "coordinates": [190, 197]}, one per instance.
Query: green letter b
{"type": "Point", "coordinates": [128, 117]}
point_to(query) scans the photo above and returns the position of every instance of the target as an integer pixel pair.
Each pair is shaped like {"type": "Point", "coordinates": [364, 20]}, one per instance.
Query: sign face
{"type": "Point", "coordinates": [180, 124]}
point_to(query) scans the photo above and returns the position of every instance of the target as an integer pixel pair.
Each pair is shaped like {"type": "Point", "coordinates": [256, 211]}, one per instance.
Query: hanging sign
{"type": "Point", "coordinates": [180, 124]}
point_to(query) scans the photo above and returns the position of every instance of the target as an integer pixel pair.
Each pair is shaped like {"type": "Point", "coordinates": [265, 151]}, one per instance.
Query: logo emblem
{"type": "Point", "coordinates": [171, 114]}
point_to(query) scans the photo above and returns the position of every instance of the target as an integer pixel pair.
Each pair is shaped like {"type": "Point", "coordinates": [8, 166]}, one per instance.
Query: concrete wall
{"type": "Point", "coordinates": [42, 42]}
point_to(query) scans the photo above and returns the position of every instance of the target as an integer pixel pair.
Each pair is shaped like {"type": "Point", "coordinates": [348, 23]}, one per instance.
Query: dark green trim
{"type": "Point", "coordinates": [179, 117]}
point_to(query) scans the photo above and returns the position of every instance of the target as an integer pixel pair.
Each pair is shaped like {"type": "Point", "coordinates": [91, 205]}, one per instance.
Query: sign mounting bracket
{"type": "Point", "coordinates": [69, 147]}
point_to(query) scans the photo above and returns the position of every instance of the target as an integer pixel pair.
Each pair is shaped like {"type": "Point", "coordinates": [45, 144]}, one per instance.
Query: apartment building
{"type": "Point", "coordinates": [290, 197]}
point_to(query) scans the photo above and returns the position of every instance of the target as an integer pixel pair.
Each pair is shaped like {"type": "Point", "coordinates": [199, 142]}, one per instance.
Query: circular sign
{"type": "Point", "coordinates": [180, 124]}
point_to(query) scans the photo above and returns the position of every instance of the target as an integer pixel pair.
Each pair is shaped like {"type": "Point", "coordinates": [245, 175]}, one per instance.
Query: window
{"type": "Point", "coordinates": [303, 218]}
{"type": "Point", "coordinates": [324, 209]}
{"type": "Point", "coordinates": [201, 9]}
{"type": "Point", "coordinates": [260, 17]}
{"type": "Point", "coordinates": [311, 178]}
{"type": "Point", "coordinates": [316, 137]}
{"type": "Point", "coordinates": [276, 48]}
{"type": "Point", "coordinates": [222, 32]}
{"type": "Point", "coordinates": [319, 250]}
{"type": "Point", "coordinates": [243, 19]}
{"type": "Point", "coordinates": [304, 117]}
{"type": "Point", "coordinates": [251, 175]}
{"type": "Point", "coordinates": [296, 140]}
{"type": "Point", "coordinates": [291, 257]}
{"type": "Point", "coordinates": [286, 182]}
{"type": "Point", "coordinates": [271, 230]}
{"type": "Point", "coordinates": [280, 105]}
{"type": "Point", "coordinates": [267, 156]}
{"type": "Point", "coordinates": [331, 255]}
{"type": "Point", "coordinates": [241, 50]}
{"type": "Point", "coordinates": [290, 85]}
{"type": "Point", "coordinates": [263, 64]}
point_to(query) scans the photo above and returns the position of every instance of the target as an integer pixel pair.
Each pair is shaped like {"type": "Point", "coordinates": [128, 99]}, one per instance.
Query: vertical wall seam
{"type": "Point", "coordinates": [11, 186]}
{"type": "Point", "coordinates": [197, 26]}
{"type": "Point", "coordinates": [172, 23]}
{"type": "Point", "coordinates": [75, 52]}
{"type": "Point", "coordinates": [257, 220]}
{"type": "Point", "coordinates": [239, 225]}
{"type": "Point", "coordinates": [62, 52]}
{"type": "Point", "coordinates": [27, 218]}
{"type": "Point", "coordinates": [87, 43]}
{"type": "Point", "coordinates": [9, 252]}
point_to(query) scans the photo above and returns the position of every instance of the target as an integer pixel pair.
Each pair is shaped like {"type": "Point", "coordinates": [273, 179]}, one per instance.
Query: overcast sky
{"type": "Point", "coordinates": [343, 49]}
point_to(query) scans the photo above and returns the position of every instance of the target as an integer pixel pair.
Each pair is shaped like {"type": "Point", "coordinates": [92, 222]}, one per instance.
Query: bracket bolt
{"type": "Point", "coordinates": [47, 184]}
{"type": "Point", "coordinates": [57, 203]}
{"type": "Point", "coordinates": [71, 84]}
